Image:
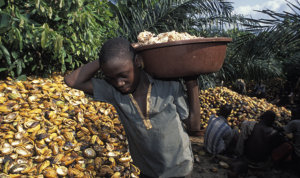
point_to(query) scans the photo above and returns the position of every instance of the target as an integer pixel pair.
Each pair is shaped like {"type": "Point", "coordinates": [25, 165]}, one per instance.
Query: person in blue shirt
{"type": "Point", "coordinates": [219, 137]}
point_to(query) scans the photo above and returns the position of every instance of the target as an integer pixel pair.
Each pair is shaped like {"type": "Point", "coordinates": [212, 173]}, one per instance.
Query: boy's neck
{"type": "Point", "coordinates": [143, 83]}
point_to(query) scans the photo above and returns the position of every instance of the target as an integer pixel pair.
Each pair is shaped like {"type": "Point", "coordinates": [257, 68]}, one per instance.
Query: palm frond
{"type": "Point", "coordinates": [269, 46]}
{"type": "Point", "coordinates": [166, 15]}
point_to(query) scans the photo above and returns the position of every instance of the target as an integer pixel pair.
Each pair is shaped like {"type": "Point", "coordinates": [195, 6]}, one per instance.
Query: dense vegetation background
{"type": "Point", "coordinates": [39, 37]}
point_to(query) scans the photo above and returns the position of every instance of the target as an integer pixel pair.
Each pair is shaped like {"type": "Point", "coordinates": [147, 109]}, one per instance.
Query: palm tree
{"type": "Point", "coordinates": [272, 48]}
{"type": "Point", "coordinates": [198, 17]}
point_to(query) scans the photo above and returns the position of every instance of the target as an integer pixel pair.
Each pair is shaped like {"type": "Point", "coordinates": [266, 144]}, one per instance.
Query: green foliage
{"type": "Point", "coordinates": [270, 48]}
{"type": "Point", "coordinates": [3, 3]}
{"type": "Point", "coordinates": [197, 17]}
{"type": "Point", "coordinates": [40, 37]}
{"type": "Point", "coordinates": [246, 59]}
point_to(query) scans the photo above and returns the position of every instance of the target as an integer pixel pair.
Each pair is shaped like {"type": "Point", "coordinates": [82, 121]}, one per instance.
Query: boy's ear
{"type": "Point", "coordinates": [139, 61]}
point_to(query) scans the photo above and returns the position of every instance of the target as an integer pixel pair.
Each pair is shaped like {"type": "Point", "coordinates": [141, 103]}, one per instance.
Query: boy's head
{"type": "Point", "coordinates": [268, 117]}
{"type": "Point", "coordinates": [120, 65]}
{"type": "Point", "coordinates": [225, 110]}
{"type": "Point", "coordinates": [116, 48]}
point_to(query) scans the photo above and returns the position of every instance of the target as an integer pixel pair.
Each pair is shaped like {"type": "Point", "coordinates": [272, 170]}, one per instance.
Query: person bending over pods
{"type": "Point", "coordinates": [219, 137]}
{"type": "Point", "coordinates": [262, 141]}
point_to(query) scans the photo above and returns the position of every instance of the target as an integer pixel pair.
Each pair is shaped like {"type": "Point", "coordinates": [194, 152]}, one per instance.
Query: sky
{"type": "Point", "coordinates": [248, 7]}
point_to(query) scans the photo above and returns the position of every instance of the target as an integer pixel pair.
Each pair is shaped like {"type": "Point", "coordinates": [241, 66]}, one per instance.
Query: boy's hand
{"type": "Point", "coordinates": [289, 136]}
{"type": "Point", "coordinates": [195, 133]}
{"type": "Point", "coordinates": [189, 131]}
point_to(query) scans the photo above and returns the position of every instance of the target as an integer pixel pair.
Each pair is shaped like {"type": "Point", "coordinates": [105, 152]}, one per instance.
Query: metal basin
{"type": "Point", "coordinates": [184, 58]}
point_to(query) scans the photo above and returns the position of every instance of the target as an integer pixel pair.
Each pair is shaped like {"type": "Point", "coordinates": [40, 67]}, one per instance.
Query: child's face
{"type": "Point", "coordinates": [122, 74]}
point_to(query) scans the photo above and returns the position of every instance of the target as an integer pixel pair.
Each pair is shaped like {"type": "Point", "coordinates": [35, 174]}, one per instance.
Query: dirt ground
{"type": "Point", "coordinates": [206, 166]}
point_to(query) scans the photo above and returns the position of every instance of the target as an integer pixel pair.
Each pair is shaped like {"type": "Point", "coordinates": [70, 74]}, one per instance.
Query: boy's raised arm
{"type": "Point", "coordinates": [193, 122]}
{"type": "Point", "coordinates": [81, 78]}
